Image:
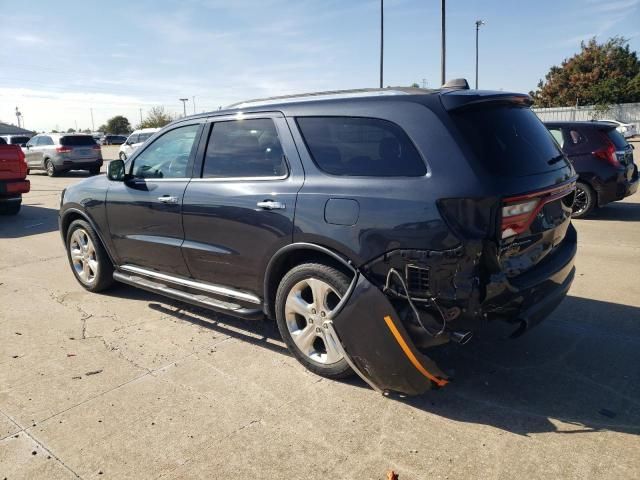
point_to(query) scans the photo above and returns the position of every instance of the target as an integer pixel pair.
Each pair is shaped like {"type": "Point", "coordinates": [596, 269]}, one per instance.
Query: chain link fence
{"type": "Point", "coordinates": [626, 112]}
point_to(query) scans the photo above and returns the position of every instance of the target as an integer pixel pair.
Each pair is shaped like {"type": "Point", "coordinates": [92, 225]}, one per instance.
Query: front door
{"type": "Point", "coordinates": [240, 211]}
{"type": "Point", "coordinates": [145, 211]}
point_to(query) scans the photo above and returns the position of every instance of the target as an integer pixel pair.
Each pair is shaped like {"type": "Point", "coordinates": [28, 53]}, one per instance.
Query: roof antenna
{"type": "Point", "coordinates": [457, 84]}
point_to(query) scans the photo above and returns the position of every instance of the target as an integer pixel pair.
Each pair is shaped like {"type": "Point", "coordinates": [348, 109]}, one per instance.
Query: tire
{"type": "Point", "coordinates": [299, 316]}
{"type": "Point", "coordinates": [88, 259]}
{"type": "Point", "coordinates": [123, 156]}
{"type": "Point", "coordinates": [585, 200]}
{"type": "Point", "coordinates": [10, 208]}
{"type": "Point", "coordinates": [94, 170]}
{"type": "Point", "coordinates": [50, 168]}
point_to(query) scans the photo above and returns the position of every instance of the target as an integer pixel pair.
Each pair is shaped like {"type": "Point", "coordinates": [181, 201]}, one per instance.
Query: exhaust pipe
{"type": "Point", "coordinates": [461, 337]}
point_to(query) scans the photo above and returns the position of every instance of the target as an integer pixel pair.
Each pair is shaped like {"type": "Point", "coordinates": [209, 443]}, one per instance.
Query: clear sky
{"type": "Point", "coordinates": [60, 59]}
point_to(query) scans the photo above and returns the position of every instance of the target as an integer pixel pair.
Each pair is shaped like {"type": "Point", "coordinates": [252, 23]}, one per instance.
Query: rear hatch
{"type": "Point", "coordinates": [526, 171]}
{"type": "Point", "coordinates": [12, 163]}
{"type": "Point", "coordinates": [79, 148]}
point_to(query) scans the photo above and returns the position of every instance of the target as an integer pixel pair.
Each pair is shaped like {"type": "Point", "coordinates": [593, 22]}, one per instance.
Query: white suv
{"type": "Point", "coordinates": [137, 138]}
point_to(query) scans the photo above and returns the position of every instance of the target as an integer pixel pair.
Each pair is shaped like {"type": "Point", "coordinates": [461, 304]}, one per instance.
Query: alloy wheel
{"type": "Point", "coordinates": [309, 304]}
{"type": "Point", "coordinates": [83, 256]}
{"type": "Point", "coordinates": [581, 201]}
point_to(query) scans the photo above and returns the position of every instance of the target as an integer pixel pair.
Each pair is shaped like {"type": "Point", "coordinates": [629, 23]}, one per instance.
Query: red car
{"type": "Point", "coordinates": [13, 174]}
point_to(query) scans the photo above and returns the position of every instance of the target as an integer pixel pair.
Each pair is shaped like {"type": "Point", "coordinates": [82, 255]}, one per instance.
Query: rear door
{"type": "Point", "coordinates": [31, 154]}
{"type": "Point", "coordinates": [240, 211]}
{"type": "Point", "coordinates": [145, 211]}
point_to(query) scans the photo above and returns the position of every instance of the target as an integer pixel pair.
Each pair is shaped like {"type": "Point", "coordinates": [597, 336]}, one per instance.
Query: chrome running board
{"type": "Point", "coordinates": [186, 282]}
{"type": "Point", "coordinates": [195, 299]}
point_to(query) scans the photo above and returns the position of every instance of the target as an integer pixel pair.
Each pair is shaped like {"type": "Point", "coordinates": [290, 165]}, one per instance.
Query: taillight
{"type": "Point", "coordinates": [517, 217]}
{"type": "Point", "coordinates": [518, 213]}
{"type": "Point", "coordinates": [64, 149]}
{"type": "Point", "coordinates": [608, 153]}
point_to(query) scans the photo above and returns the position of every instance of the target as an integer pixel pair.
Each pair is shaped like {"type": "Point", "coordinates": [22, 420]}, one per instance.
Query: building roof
{"type": "Point", "coordinates": [7, 129]}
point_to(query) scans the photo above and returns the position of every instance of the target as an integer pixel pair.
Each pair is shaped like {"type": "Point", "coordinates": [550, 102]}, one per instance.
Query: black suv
{"type": "Point", "coordinates": [603, 160]}
{"type": "Point", "coordinates": [371, 225]}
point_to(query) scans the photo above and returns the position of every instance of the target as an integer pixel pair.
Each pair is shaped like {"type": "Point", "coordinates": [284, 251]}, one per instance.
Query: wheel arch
{"type": "Point", "coordinates": [295, 254]}
{"type": "Point", "coordinates": [72, 214]}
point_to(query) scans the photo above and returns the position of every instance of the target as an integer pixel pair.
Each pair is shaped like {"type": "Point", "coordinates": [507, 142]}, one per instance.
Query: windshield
{"type": "Point", "coordinates": [509, 140]}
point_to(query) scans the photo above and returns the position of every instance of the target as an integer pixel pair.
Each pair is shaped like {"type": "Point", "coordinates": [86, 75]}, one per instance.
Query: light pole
{"type": "Point", "coordinates": [184, 105]}
{"type": "Point", "coordinates": [381, 41]}
{"type": "Point", "coordinates": [443, 53]}
{"type": "Point", "coordinates": [479, 23]}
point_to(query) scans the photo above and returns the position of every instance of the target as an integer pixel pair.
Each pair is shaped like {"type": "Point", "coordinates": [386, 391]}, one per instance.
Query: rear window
{"type": "Point", "coordinates": [19, 140]}
{"type": "Point", "coordinates": [509, 140]}
{"type": "Point", "coordinates": [366, 147]}
{"type": "Point", "coordinates": [77, 140]}
{"type": "Point", "coordinates": [618, 139]}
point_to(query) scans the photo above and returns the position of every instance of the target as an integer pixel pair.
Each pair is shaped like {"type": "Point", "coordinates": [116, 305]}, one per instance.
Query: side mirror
{"type": "Point", "coordinates": [115, 171]}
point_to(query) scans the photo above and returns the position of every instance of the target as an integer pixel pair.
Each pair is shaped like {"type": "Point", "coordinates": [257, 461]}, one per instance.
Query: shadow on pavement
{"type": "Point", "coordinates": [580, 368]}
{"type": "Point", "coordinates": [618, 211]}
{"type": "Point", "coordinates": [31, 220]}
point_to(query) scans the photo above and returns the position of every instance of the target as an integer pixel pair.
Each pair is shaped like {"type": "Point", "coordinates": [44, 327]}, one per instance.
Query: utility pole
{"type": "Point", "coordinates": [140, 116]}
{"type": "Point", "coordinates": [424, 83]}
{"type": "Point", "coordinates": [479, 23]}
{"type": "Point", "coordinates": [93, 126]}
{"type": "Point", "coordinates": [381, 42]}
{"type": "Point", "coordinates": [18, 116]}
{"type": "Point", "coordinates": [443, 41]}
{"type": "Point", "coordinates": [184, 105]}
{"type": "Point", "coordinates": [194, 104]}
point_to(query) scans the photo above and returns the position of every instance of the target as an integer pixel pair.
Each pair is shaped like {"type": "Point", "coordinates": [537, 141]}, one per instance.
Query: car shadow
{"type": "Point", "coordinates": [578, 372]}
{"type": "Point", "coordinates": [32, 219]}
{"type": "Point", "coordinates": [618, 211]}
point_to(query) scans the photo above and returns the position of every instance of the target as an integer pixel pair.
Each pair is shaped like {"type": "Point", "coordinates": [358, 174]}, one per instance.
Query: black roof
{"type": "Point", "coordinates": [578, 123]}
{"type": "Point", "coordinates": [7, 129]}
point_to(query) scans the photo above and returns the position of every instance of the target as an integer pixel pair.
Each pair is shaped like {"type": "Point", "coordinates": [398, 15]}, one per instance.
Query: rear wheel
{"type": "Point", "coordinates": [88, 259]}
{"type": "Point", "coordinates": [585, 200]}
{"type": "Point", "coordinates": [10, 208]}
{"type": "Point", "coordinates": [306, 297]}
{"type": "Point", "coordinates": [50, 168]}
{"type": "Point", "coordinates": [94, 170]}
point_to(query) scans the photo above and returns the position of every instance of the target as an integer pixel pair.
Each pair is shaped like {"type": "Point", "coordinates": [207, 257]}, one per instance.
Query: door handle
{"type": "Point", "coordinates": [271, 205]}
{"type": "Point", "coordinates": [168, 199]}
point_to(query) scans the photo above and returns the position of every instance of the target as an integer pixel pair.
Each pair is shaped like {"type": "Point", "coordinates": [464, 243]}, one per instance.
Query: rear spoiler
{"type": "Point", "coordinates": [462, 99]}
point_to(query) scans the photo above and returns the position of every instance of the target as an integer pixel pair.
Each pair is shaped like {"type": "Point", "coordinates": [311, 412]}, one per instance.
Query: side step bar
{"type": "Point", "coordinates": [195, 299]}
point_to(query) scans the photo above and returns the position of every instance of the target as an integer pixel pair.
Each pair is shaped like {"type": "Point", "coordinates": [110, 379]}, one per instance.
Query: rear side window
{"type": "Point", "coordinates": [362, 147]}
{"type": "Point", "coordinates": [19, 140]}
{"type": "Point", "coordinates": [244, 148]}
{"type": "Point", "coordinates": [77, 141]}
{"type": "Point", "coordinates": [509, 140]}
{"type": "Point", "coordinates": [43, 141]}
{"type": "Point", "coordinates": [618, 139]}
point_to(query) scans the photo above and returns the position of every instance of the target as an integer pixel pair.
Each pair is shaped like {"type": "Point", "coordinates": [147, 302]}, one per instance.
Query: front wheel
{"type": "Point", "coordinates": [88, 259]}
{"type": "Point", "coordinates": [307, 296]}
{"type": "Point", "coordinates": [585, 200]}
{"type": "Point", "coordinates": [10, 207]}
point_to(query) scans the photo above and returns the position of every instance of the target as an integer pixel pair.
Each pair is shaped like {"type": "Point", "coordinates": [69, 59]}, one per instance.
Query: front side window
{"type": "Point", "coordinates": [557, 134]}
{"type": "Point", "coordinates": [244, 148]}
{"type": "Point", "coordinates": [143, 137]}
{"type": "Point", "coordinates": [354, 146]}
{"type": "Point", "coordinates": [168, 156]}
{"type": "Point", "coordinates": [133, 138]}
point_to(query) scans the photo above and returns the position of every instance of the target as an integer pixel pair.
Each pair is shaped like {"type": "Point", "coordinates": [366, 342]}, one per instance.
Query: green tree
{"type": "Point", "coordinates": [71, 130]}
{"type": "Point", "coordinates": [156, 118]}
{"type": "Point", "coordinates": [415, 85]}
{"type": "Point", "coordinates": [117, 125]}
{"type": "Point", "coordinates": [600, 74]}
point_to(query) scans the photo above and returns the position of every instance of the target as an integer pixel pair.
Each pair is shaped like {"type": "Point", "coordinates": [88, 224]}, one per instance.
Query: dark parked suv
{"type": "Point", "coordinates": [371, 225]}
{"type": "Point", "coordinates": [603, 160]}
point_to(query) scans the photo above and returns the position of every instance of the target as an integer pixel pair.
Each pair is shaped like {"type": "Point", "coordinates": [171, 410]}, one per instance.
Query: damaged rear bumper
{"type": "Point", "coordinates": [375, 332]}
